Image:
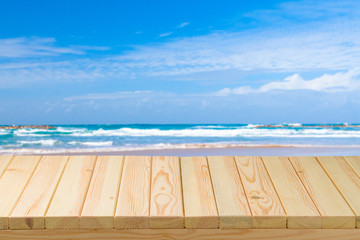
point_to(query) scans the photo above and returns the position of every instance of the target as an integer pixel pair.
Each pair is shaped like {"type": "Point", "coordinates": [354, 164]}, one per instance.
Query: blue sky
{"type": "Point", "coordinates": [75, 62]}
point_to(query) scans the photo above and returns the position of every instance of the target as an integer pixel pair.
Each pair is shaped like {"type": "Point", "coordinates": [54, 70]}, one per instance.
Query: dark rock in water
{"type": "Point", "coordinates": [27, 126]}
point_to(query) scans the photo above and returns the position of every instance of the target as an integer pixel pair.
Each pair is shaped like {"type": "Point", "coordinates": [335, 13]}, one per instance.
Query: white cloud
{"type": "Point", "coordinates": [335, 48]}
{"type": "Point", "coordinates": [330, 83]}
{"type": "Point", "coordinates": [338, 82]}
{"type": "Point", "coordinates": [165, 34]}
{"type": "Point", "coordinates": [311, 46]}
{"type": "Point", "coordinates": [37, 47]}
{"type": "Point", "coordinates": [234, 91]}
{"type": "Point", "coordinates": [306, 10]}
{"type": "Point", "coordinates": [268, 51]}
{"type": "Point", "coordinates": [184, 24]}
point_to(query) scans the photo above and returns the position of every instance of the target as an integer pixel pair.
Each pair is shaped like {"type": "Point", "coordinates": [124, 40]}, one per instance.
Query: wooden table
{"type": "Point", "coordinates": [141, 197]}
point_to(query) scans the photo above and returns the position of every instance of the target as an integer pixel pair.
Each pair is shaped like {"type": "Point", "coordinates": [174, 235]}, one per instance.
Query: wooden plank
{"type": "Point", "coordinates": [31, 208]}
{"type": "Point", "coordinates": [354, 162]}
{"type": "Point", "coordinates": [100, 202]}
{"type": "Point", "coordinates": [234, 211]}
{"type": "Point", "coordinates": [300, 210]}
{"type": "Point", "coordinates": [184, 234]}
{"type": "Point", "coordinates": [166, 206]}
{"type": "Point", "coordinates": [12, 184]}
{"type": "Point", "coordinates": [133, 204]}
{"type": "Point", "coordinates": [264, 203]}
{"type": "Point", "coordinates": [345, 179]}
{"type": "Point", "coordinates": [199, 201]}
{"type": "Point", "coordinates": [68, 200]}
{"type": "Point", "coordinates": [333, 208]}
{"type": "Point", "coordinates": [4, 162]}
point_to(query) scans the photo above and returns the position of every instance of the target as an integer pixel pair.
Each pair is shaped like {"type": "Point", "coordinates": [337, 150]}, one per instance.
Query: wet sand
{"type": "Point", "coordinates": [231, 151]}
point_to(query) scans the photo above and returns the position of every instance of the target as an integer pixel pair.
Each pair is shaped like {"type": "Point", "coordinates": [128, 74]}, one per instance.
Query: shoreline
{"type": "Point", "coordinates": [270, 150]}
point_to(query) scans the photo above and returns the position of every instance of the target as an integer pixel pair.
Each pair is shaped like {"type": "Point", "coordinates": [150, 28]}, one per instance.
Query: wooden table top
{"type": "Point", "coordinates": [161, 192]}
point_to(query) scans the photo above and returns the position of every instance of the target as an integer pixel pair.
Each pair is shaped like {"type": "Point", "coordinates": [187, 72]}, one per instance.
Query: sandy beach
{"type": "Point", "coordinates": [233, 151]}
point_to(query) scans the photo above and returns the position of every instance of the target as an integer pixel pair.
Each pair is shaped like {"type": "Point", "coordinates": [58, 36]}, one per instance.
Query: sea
{"type": "Point", "coordinates": [129, 137]}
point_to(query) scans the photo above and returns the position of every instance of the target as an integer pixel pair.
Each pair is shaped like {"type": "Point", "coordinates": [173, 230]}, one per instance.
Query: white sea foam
{"type": "Point", "coordinates": [295, 124]}
{"type": "Point", "coordinates": [7, 146]}
{"type": "Point", "coordinates": [251, 125]}
{"type": "Point", "coordinates": [70, 130]}
{"type": "Point", "coordinates": [197, 131]}
{"type": "Point", "coordinates": [237, 132]}
{"type": "Point", "coordinates": [25, 132]}
{"type": "Point", "coordinates": [31, 135]}
{"type": "Point", "coordinates": [49, 142]}
{"type": "Point", "coordinates": [106, 143]}
{"type": "Point", "coordinates": [221, 131]}
{"type": "Point", "coordinates": [4, 132]}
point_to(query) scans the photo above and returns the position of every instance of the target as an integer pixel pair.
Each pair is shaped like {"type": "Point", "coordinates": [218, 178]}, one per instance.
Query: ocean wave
{"type": "Point", "coordinates": [224, 133]}
{"type": "Point", "coordinates": [293, 125]}
{"type": "Point", "coordinates": [252, 125]}
{"type": "Point", "coordinates": [31, 135]}
{"type": "Point", "coordinates": [4, 132]}
{"type": "Point", "coordinates": [70, 130]}
{"type": "Point", "coordinates": [291, 130]}
{"type": "Point", "coordinates": [48, 142]}
{"type": "Point", "coordinates": [34, 132]}
{"type": "Point", "coordinates": [27, 132]}
{"type": "Point", "coordinates": [140, 137]}
{"type": "Point", "coordinates": [106, 143]}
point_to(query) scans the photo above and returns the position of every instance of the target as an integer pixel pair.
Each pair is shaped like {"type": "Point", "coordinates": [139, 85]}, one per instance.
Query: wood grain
{"type": "Point", "coordinates": [234, 211]}
{"type": "Point", "coordinates": [100, 202]}
{"type": "Point", "coordinates": [166, 206]}
{"type": "Point", "coordinates": [12, 184]}
{"type": "Point", "coordinates": [264, 203]}
{"type": "Point", "coordinates": [31, 208]}
{"type": "Point", "coordinates": [354, 162]}
{"type": "Point", "coordinates": [299, 207]}
{"type": "Point", "coordinates": [334, 210]}
{"type": "Point", "coordinates": [67, 203]}
{"type": "Point", "coordinates": [62, 193]}
{"type": "Point", "coordinates": [199, 201]}
{"type": "Point", "coordinates": [345, 179]}
{"type": "Point", "coordinates": [133, 206]}
{"type": "Point", "coordinates": [4, 162]}
{"type": "Point", "coordinates": [183, 234]}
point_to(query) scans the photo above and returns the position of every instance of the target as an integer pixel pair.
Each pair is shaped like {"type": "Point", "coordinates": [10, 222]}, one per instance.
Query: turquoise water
{"type": "Point", "coordinates": [146, 136]}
